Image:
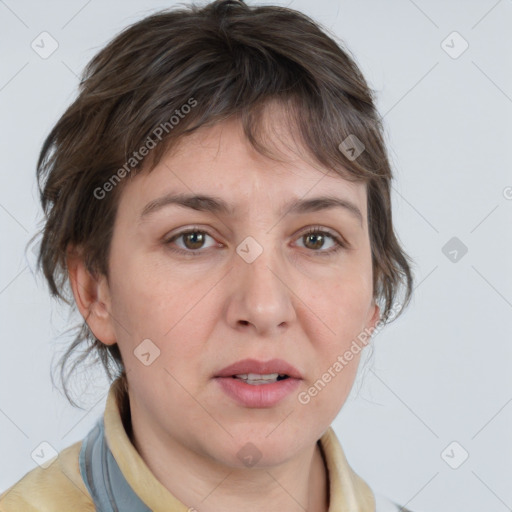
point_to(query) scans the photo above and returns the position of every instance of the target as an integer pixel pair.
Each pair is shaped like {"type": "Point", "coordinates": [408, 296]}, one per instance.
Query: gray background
{"type": "Point", "coordinates": [439, 374]}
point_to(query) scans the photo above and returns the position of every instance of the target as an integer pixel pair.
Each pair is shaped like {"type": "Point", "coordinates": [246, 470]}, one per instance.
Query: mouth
{"type": "Point", "coordinates": [261, 371]}
{"type": "Point", "coordinates": [255, 379]}
{"type": "Point", "coordinates": [257, 384]}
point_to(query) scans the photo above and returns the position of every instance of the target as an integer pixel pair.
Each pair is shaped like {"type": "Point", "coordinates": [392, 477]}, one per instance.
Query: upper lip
{"type": "Point", "coordinates": [260, 367]}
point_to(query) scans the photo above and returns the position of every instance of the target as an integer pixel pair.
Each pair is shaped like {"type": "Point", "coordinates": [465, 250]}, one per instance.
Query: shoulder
{"type": "Point", "coordinates": [383, 504]}
{"type": "Point", "coordinates": [58, 487]}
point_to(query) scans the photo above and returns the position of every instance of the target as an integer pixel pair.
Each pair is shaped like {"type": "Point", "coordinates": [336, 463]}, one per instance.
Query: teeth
{"type": "Point", "coordinates": [255, 378]}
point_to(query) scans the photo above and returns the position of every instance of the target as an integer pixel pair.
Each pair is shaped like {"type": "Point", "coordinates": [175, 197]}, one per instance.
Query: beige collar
{"type": "Point", "coordinates": [347, 491]}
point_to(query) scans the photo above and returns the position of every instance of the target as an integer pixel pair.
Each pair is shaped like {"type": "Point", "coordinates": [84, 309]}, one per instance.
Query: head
{"type": "Point", "coordinates": [222, 105]}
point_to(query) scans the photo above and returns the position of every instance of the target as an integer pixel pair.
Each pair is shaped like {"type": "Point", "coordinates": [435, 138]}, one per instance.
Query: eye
{"type": "Point", "coordinates": [193, 240]}
{"type": "Point", "coordinates": [315, 238]}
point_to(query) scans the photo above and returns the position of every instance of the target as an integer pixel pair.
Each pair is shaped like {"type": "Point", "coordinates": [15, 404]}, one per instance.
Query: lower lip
{"type": "Point", "coordinates": [261, 395]}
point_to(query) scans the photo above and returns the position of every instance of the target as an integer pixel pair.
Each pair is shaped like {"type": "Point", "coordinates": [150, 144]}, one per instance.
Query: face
{"type": "Point", "coordinates": [247, 282]}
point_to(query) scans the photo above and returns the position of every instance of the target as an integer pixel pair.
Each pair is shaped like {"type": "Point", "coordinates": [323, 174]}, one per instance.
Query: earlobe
{"type": "Point", "coordinates": [92, 297]}
{"type": "Point", "coordinates": [375, 316]}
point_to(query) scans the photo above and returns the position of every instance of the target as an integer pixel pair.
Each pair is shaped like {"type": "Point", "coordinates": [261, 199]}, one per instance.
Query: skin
{"type": "Point", "coordinates": [207, 311]}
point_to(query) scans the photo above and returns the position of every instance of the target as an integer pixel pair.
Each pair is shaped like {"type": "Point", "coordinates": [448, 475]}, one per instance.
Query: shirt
{"type": "Point", "coordinates": [105, 472]}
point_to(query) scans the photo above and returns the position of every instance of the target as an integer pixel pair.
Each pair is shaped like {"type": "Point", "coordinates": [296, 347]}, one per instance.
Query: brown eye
{"type": "Point", "coordinates": [190, 242]}
{"type": "Point", "coordinates": [315, 239]}
{"type": "Point", "coordinates": [194, 239]}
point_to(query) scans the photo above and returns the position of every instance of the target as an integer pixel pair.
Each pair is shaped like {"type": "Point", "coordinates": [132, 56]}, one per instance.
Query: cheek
{"type": "Point", "coordinates": [148, 303]}
{"type": "Point", "coordinates": [341, 310]}
{"type": "Point", "coordinates": [328, 392]}
{"type": "Point", "coordinates": [140, 304]}
{"type": "Point", "coordinates": [343, 305]}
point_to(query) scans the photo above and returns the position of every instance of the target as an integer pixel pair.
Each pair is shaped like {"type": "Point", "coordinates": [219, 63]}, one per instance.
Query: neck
{"type": "Point", "coordinates": [299, 484]}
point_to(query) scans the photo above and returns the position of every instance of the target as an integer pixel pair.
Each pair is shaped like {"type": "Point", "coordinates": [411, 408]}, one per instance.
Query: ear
{"type": "Point", "coordinates": [92, 297]}
{"type": "Point", "coordinates": [373, 316]}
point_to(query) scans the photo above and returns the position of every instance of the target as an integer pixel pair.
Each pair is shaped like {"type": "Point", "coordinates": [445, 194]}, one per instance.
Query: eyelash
{"type": "Point", "coordinates": [313, 230]}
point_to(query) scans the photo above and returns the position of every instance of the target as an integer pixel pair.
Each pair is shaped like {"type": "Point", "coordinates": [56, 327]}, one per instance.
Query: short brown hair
{"type": "Point", "coordinates": [225, 59]}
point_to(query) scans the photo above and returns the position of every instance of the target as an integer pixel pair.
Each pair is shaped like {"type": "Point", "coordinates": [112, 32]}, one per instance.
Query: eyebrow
{"type": "Point", "coordinates": [217, 205]}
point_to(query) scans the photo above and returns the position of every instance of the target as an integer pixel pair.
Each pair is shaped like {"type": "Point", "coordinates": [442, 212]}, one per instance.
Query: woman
{"type": "Point", "coordinates": [218, 198]}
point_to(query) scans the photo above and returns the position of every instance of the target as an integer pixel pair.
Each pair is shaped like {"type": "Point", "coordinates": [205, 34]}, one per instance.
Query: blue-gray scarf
{"type": "Point", "coordinates": [106, 484]}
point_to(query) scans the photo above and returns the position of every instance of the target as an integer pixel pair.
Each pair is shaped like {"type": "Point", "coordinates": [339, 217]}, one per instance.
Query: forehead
{"type": "Point", "coordinates": [219, 161]}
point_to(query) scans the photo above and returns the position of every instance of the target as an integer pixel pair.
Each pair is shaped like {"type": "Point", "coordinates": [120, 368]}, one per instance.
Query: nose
{"type": "Point", "coordinates": [261, 297]}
